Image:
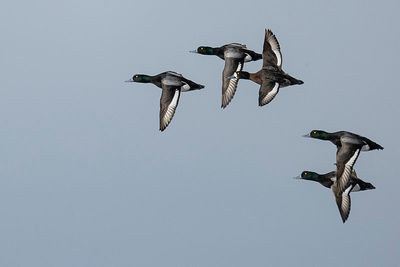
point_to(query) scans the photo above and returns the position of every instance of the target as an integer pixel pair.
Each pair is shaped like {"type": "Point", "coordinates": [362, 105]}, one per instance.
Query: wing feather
{"type": "Point", "coordinates": [168, 102]}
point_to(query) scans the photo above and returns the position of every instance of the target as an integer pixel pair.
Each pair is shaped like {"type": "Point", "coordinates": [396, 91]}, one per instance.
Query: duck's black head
{"type": "Point", "coordinates": [308, 175]}
{"type": "Point", "coordinates": [318, 134]}
{"type": "Point", "coordinates": [140, 78]}
{"type": "Point", "coordinates": [205, 50]}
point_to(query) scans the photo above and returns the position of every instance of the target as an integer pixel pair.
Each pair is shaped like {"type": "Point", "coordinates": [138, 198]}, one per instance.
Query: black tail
{"type": "Point", "coordinates": [295, 81]}
{"type": "Point", "coordinates": [365, 186]}
{"type": "Point", "coordinates": [372, 145]}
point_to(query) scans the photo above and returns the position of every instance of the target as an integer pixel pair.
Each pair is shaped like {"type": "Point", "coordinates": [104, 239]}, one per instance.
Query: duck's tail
{"type": "Point", "coordinates": [295, 81]}
{"type": "Point", "coordinates": [371, 145]}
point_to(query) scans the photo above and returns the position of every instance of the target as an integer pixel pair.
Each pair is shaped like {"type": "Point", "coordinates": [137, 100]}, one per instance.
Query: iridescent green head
{"type": "Point", "coordinates": [140, 78]}
{"type": "Point", "coordinates": [318, 134]}
{"type": "Point", "coordinates": [205, 50]}
{"type": "Point", "coordinates": [308, 175]}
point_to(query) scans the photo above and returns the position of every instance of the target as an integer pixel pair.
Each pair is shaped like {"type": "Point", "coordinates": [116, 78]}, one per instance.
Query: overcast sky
{"type": "Point", "coordinates": [86, 178]}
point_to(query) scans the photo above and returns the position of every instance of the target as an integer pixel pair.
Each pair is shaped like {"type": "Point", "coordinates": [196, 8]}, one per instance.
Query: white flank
{"type": "Point", "coordinates": [365, 148]}
{"type": "Point", "coordinates": [271, 94]}
{"type": "Point", "coordinates": [248, 58]}
{"type": "Point", "coordinates": [185, 87]}
{"type": "Point", "coordinates": [356, 188]}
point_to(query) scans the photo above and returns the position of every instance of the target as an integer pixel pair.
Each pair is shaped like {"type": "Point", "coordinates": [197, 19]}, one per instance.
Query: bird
{"type": "Point", "coordinates": [234, 55]}
{"type": "Point", "coordinates": [349, 145]}
{"type": "Point", "coordinates": [172, 84]}
{"type": "Point", "coordinates": [343, 199]}
{"type": "Point", "coordinates": [271, 77]}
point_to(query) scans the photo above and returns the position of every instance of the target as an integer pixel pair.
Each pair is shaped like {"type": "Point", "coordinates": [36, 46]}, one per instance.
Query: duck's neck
{"type": "Point", "coordinates": [146, 78]}
{"type": "Point", "coordinates": [243, 75]}
{"type": "Point", "coordinates": [324, 135]}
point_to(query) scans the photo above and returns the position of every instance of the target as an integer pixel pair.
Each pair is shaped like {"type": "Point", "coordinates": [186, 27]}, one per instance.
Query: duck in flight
{"type": "Point", "coordinates": [343, 199]}
{"type": "Point", "coordinates": [349, 145]}
{"type": "Point", "coordinates": [271, 77]}
{"type": "Point", "coordinates": [234, 55]}
{"type": "Point", "coordinates": [172, 84]}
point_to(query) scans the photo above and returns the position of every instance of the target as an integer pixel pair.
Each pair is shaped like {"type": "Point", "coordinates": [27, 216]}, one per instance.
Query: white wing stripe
{"type": "Point", "coordinates": [230, 91]}
{"type": "Point", "coordinates": [271, 94]}
{"type": "Point", "coordinates": [275, 48]}
{"type": "Point", "coordinates": [171, 109]}
{"type": "Point", "coordinates": [346, 203]}
{"type": "Point", "coordinates": [345, 178]}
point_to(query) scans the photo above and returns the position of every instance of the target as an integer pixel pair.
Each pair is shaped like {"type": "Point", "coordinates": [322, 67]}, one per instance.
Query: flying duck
{"type": "Point", "coordinates": [271, 77]}
{"type": "Point", "coordinates": [234, 55]}
{"type": "Point", "coordinates": [172, 84]}
{"type": "Point", "coordinates": [343, 199]}
{"type": "Point", "coordinates": [348, 147]}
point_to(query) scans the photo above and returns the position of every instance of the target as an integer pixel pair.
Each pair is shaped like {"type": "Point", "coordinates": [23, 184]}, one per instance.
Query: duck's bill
{"type": "Point", "coordinates": [231, 77]}
{"type": "Point", "coordinates": [129, 81]}
{"type": "Point", "coordinates": [297, 177]}
{"type": "Point", "coordinates": [306, 135]}
{"type": "Point", "coordinates": [193, 51]}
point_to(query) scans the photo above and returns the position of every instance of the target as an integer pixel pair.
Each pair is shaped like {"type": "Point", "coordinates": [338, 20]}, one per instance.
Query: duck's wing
{"type": "Point", "coordinates": [168, 103]}
{"type": "Point", "coordinates": [346, 157]}
{"type": "Point", "coordinates": [230, 79]}
{"type": "Point", "coordinates": [268, 90]}
{"type": "Point", "coordinates": [271, 51]}
{"type": "Point", "coordinates": [343, 202]}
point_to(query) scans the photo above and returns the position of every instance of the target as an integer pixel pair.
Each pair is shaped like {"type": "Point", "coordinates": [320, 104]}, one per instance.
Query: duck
{"type": "Point", "coordinates": [271, 77]}
{"type": "Point", "coordinates": [234, 55]}
{"type": "Point", "coordinates": [343, 199]}
{"type": "Point", "coordinates": [349, 145]}
{"type": "Point", "coordinates": [172, 84]}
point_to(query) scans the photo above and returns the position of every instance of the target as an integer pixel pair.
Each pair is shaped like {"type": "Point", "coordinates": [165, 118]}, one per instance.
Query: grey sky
{"type": "Point", "coordinates": [88, 180]}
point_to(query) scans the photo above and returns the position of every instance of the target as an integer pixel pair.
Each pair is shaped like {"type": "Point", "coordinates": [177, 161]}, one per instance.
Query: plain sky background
{"type": "Point", "coordinates": [86, 178]}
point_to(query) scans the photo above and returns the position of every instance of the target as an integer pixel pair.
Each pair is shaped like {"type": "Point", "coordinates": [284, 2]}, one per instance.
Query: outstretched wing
{"type": "Point", "coordinates": [268, 90]}
{"type": "Point", "coordinates": [271, 51]}
{"type": "Point", "coordinates": [346, 157]}
{"type": "Point", "coordinates": [168, 103]}
{"type": "Point", "coordinates": [230, 79]}
{"type": "Point", "coordinates": [343, 202]}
